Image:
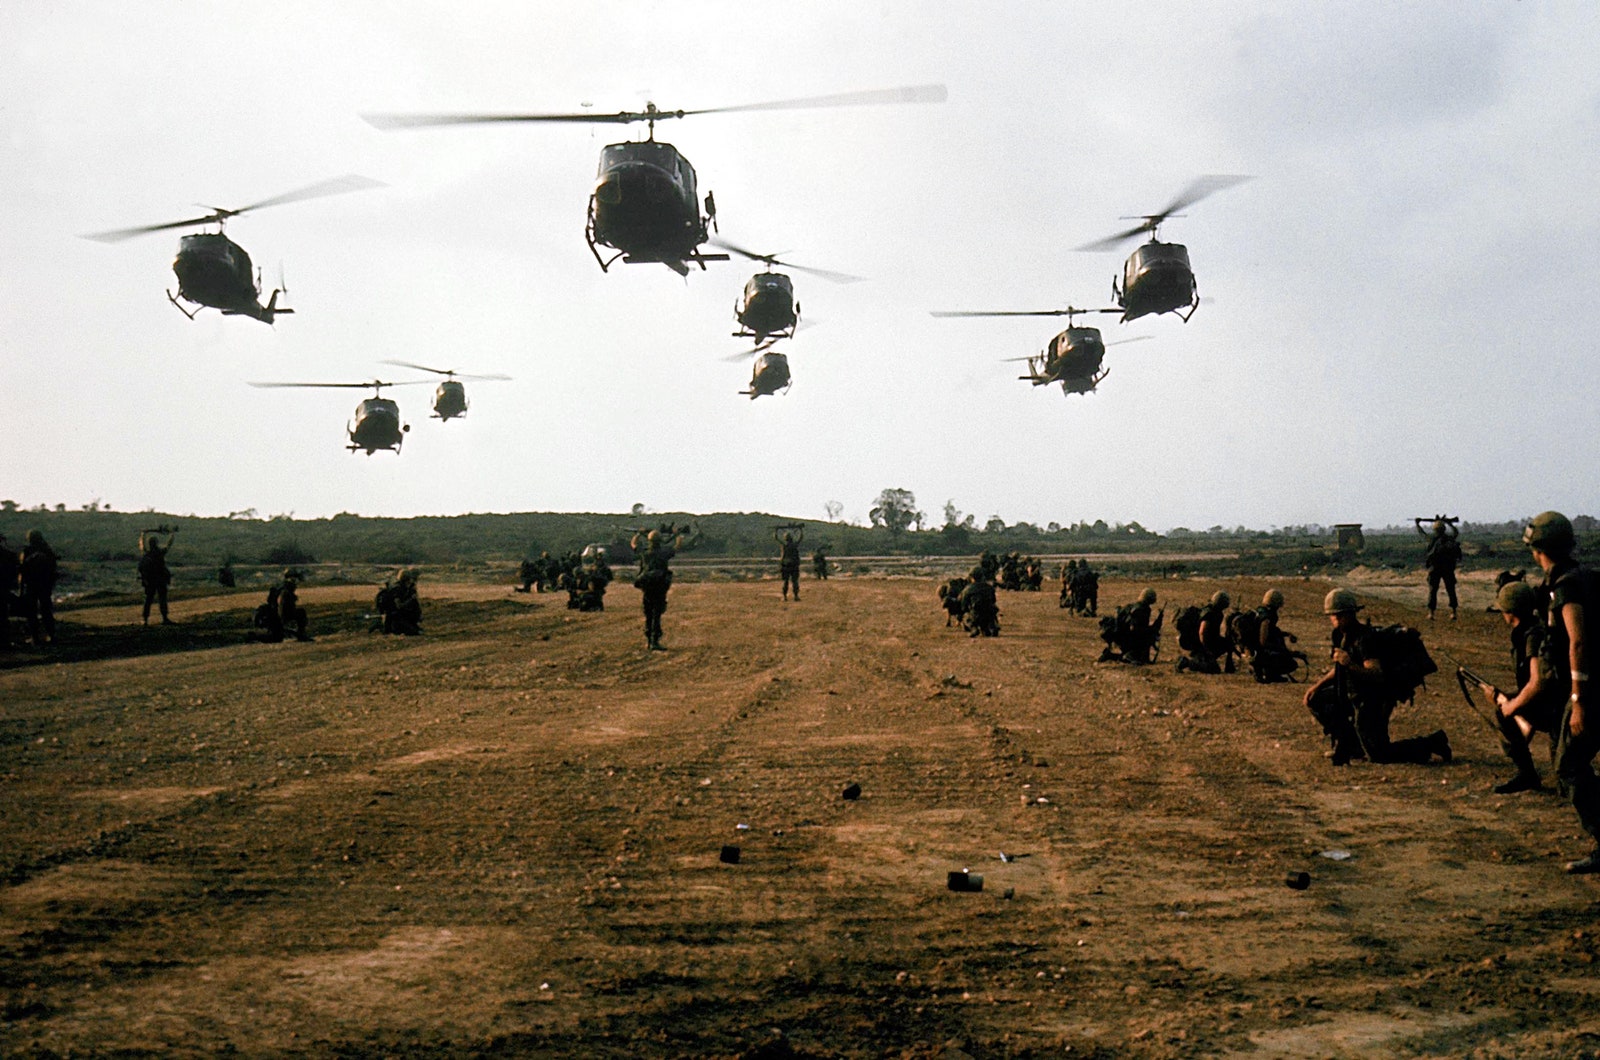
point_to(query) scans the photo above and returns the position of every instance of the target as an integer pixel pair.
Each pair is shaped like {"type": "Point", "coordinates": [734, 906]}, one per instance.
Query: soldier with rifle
{"type": "Point", "coordinates": [1441, 558]}
{"type": "Point", "coordinates": [1355, 699]}
{"type": "Point", "coordinates": [1574, 595]}
{"type": "Point", "coordinates": [655, 574]}
{"type": "Point", "coordinates": [153, 572]}
{"type": "Point", "coordinates": [789, 556]}
{"type": "Point", "coordinates": [1537, 701]}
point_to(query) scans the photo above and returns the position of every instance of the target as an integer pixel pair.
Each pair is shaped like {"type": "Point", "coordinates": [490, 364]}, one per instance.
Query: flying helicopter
{"type": "Point", "coordinates": [1073, 357]}
{"type": "Point", "coordinates": [213, 271]}
{"type": "Point", "coordinates": [377, 424]}
{"type": "Point", "coordinates": [1157, 277]}
{"type": "Point", "coordinates": [770, 373]}
{"type": "Point", "coordinates": [645, 205]}
{"type": "Point", "coordinates": [450, 398]}
{"type": "Point", "coordinates": [768, 306]}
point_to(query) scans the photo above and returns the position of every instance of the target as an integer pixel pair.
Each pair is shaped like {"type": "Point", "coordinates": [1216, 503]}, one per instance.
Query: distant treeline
{"type": "Point", "coordinates": [101, 536]}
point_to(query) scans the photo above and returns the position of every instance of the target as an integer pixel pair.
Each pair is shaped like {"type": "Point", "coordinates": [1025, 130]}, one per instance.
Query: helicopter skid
{"type": "Point", "coordinates": [180, 308]}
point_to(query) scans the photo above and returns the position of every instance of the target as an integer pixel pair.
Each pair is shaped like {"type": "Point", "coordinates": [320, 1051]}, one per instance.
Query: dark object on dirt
{"type": "Point", "coordinates": [729, 855]}
{"type": "Point", "coordinates": [1298, 881]}
{"type": "Point", "coordinates": [963, 880]}
{"type": "Point", "coordinates": [851, 793]}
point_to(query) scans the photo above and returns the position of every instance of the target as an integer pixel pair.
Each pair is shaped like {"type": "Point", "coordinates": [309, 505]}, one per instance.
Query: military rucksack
{"type": "Point", "coordinates": [1244, 630]}
{"type": "Point", "coordinates": [1405, 660]}
{"type": "Point", "coordinates": [1187, 623]}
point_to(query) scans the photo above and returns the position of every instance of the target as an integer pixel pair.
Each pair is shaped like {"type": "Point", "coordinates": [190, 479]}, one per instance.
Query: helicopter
{"type": "Point", "coordinates": [377, 424]}
{"type": "Point", "coordinates": [1072, 358]}
{"type": "Point", "coordinates": [645, 206]}
{"type": "Point", "coordinates": [1157, 277]}
{"type": "Point", "coordinates": [215, 272]}
{"type": "Point", "coordinates": [450, 398]}
{"type": "Point", "coordinates": [771, 371]}
{"type": "Point", "coordinates": [768, 307]}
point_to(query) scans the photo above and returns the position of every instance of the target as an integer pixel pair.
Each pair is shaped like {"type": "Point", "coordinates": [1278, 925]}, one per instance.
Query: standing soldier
{"type": "Point", "coordinates": [38, 568]}
{"type": "Point", "coordinates": [153, 572]}
{"type": "Point", "coordinates": [1069, 573]}
{"type": "Point", "coordinates": [1355, 699]}
{"type": "Point", "coordinates": [1572, 596]}
{"type": "Point", "coordinates": [654, 580]}
{"type": "Point", "coordinates": [819, 565]}
{"type": "Point", "coordinates": [1441, 558]}
{"type": "Point", "coordinates": [789, 560]}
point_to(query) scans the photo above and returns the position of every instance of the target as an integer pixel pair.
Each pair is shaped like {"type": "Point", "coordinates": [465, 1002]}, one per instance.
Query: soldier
{"type": "Point", "coordinates": [527, 573]}
{"type": "Point", "coordinates": [1011, 572]}
{"type": "Point", "coordinates": [38, 564]}
{"type": "Point", "coordinates": [654, 580]}
{"type": "Point", "coordinates": [1273, 659]}
{"type": "Point", "coordinates": [1442, 556]}
{"type": "Point", "coordinates": [950, 600]}
{"type": "Point", "coordinates": [225, 575]}
{"type": "Point", "coordinates": [1573, 594]}
{"type": "Point", "coordinates": [819, 565]}
{"type": "Point", "coordinates": [789, 561]}
{"type": "Point", "coordinates": [153, 572]}
{"type": "Point", "coordinates": [544, 572]}
{"type": "Point", "coordinates": [1355, 699]}
{"type": "Point", "coordinates": [10, 591]}
{"type": "Point", "coordinates": [1132, 635]}
{"type": "Point", "coordinates": [1087, 590]}
{"type": "Point", "coordinates": [980, 613]}
{"type": "Point", "coordinates": [290, 614]}
{"type": "Point", "coordinates": [1539, 699]}
{"type": "Point", "coordinates": [1069, 572]}
{"type": "Point", "coordinates": [400, 607]}
{"type": "Point", "coordinates": [1210, 639]}
{"type": "Point", "coordinates": [269, 617]}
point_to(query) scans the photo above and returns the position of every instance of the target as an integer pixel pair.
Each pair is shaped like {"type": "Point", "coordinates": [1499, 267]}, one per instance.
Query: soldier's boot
{"type": "Point", "coordinates": [1518, 750]}
{"type": "Point", "coordinates": [1430, 614]}
{"type": "Point", "coordinates": [1585, 866]}
{"type": "Point", "coordinates": [1439, 744]}
{"type": "Point", "coordinates": [1452, 614]}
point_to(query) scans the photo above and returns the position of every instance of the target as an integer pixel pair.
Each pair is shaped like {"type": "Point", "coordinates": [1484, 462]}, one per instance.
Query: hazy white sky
{"type": "Point", "coordinates": [1400, 304]}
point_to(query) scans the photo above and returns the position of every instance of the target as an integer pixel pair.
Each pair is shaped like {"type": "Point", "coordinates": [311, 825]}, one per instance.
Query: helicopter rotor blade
{"type": "Point", "coordinates": [772, 260]}
{"type": "Point", "coordinates": [905, 94]}
{"type": "Point", "coordinates": [120, 234]}
{"type": "Point", "coordinates": [744, 355]}
{"type": "Point", "coordinates": [334, 186]}
{"type": "Point", "coordinates": [373, 384]}
{"type": "Point", "coordinates": [909, 94]}
{"type": "Point", "coordinates": [1198, 189]}
{"type": "Point", "coordinates": [420, 367]}
{"type": "Point", "coordinates": [1069, 311]}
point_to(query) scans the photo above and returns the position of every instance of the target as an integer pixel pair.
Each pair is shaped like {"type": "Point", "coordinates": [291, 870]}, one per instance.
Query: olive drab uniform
{"type": "Point", "coordinates": [290, 614]}
{"type": "Point", "coordinates": [38, 571]}
{"type": "Point", "coordinates": [1442, 556]}
{"type": "Point", "coordinates": [789, 561]}
{"type": "Point", "coordinates": [400, 608]}
{"type": "Point", "coordinates": [1355, 708]}
{"type": "Point", "coordinates": [1273, 659]}
{"type": "Point", "coordinates": [1530, 647]}
{"type": "Point", "coordinates": [819, 565]}
{"type": "Point", "coordinates": [154, 576]}
{"type": "Point", "coordinates": [1569, 584]}
{"type": "Point", "coordinates": [653, 582]}
{"type": "Point", "coordinates": [980, 613]}
{"type": "Point", "coordinates": [10, 591]}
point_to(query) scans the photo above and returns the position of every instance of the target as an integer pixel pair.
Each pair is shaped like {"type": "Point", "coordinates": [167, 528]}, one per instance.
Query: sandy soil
{"type": "Point", "coordinates": [504, 837]}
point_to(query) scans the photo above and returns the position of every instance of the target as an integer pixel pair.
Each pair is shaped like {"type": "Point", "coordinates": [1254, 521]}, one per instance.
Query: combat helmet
{"type": "Point", "coordinates": [1517, 598]}
{"type": "Point", "coordinates": [1272, 598]}
{"type": "Point", "coordinates": [1147, 597]}
{"type": "Point", "coordinates": [1221, 599]}
{"type": "Point", "coordinates": [1439, 528]}
{"type": "Point", "coordinates": [1550, 532]}
{"type": "Point", "coordinates": [1340, 600]}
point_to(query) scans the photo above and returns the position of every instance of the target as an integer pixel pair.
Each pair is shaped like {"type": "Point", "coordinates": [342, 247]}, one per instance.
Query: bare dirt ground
{"type": "Point", "coordinates": [503, 838]}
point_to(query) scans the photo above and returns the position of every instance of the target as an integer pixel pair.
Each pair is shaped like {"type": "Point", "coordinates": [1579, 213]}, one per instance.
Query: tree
{"type": "Point", "coordinates": [896, 510]}
{"type": "Point", "coordinates": [834, 510]}
{"type": "Point", "coordinates": [995, 525]}
{"type": "Point", "coordinates": [952, 515]}
{"type": "Point", "coordinates": [637, 509]}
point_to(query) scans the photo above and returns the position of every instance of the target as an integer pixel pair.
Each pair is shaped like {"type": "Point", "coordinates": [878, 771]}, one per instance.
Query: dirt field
{"type": "Point", "coordinates": [503, 838]}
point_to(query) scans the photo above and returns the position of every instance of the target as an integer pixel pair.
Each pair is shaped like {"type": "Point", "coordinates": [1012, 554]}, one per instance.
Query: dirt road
{"type": "Point", "coordinates": [505, 838]}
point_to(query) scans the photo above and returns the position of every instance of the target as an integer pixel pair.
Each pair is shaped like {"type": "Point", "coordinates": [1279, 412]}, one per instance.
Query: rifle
{"type": "Point", "coordinates": [1466, 677]}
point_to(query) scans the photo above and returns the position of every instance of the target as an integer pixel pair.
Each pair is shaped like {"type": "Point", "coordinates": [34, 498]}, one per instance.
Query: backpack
{"type": "Point", "coordinates": [1187, 623]}
{"type": "Point", "coordinates": [1244, 628]}
{"type": "Point", "coordinates": [1405, 661]}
